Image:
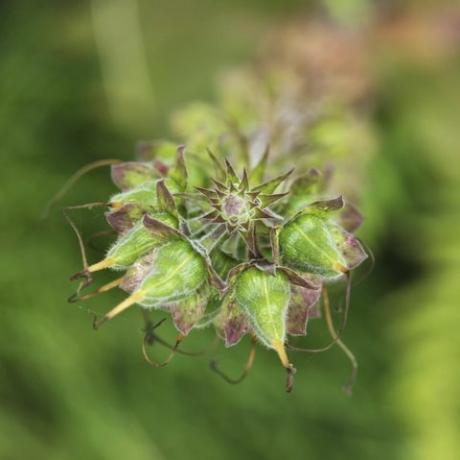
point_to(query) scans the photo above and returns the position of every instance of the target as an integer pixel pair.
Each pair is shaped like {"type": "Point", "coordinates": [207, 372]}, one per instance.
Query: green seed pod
{"type": "Point", "coordinates": [308, 245]}
{"type": "Point", "coordinates": [265, 299]}
{"type": "Point", "coordinates": [136, 242]}
{"type": "Point", "coordinates": [143, 196]}
{"type": "Point", "coordinates": [178, 271]}
{"type": "Point", "coordinates": [152, 197]}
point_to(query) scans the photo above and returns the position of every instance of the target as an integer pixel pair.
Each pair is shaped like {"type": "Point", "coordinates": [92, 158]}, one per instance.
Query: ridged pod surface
{"type": "Point", "coordinates": [177, 272]}
{"type": "Point", "coordinates": [265, 299]}
{"type": "Point", "coordinates": [307, 244]}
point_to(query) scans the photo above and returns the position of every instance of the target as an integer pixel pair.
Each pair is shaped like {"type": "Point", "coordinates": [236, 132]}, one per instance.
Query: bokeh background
{"type": "Point", "coordinates": [82, 81]}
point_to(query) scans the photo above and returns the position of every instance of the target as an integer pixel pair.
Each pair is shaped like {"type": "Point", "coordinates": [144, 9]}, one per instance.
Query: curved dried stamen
{"type": "Point", "coordinates": [330, 324]}
{"type": "Point", "coordinates": [72, 180]}
{"type": "Point", "coordinates": [153, 363]}
{"type": "Point", "coordinates": [87, 277]}
{"type": "Point", "coordinates": [247, 368]}
{"type": "Point", "coordinates": [339, 333]}
{"type": "Point", "coordinates": [151, 337]}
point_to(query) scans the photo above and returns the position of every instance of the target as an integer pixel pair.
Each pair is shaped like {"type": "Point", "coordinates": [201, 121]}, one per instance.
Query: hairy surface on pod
{"type": "Point", "coordinates": [307, 244]}
{"type": "Point", "coordinates": [178, 271]}
{"type": "Point", "coordinates": [136, 242]}
{"type": "Point", "coordinates": [265, 298]}
{"type": "Point", "coordinates": [143, 196]}
{"type": "Point", "coordinates": [188, 311]}
{"type": "Point", "coordinates": [137, 272]}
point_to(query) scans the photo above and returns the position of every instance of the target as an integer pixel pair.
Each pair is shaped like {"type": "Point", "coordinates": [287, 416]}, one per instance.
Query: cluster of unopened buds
{"type": "Point", "coordinates": [246, 254]}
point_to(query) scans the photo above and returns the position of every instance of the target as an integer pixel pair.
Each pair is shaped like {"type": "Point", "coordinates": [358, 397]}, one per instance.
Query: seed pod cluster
{"type": "Point", "coordinates": [236, 251]}
{"type": "Point", "coordinates": [225, 233]}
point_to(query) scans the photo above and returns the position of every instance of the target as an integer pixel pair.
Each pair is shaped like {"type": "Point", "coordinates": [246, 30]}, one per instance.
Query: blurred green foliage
{"type": "Point", "coordinates": [68, 393]}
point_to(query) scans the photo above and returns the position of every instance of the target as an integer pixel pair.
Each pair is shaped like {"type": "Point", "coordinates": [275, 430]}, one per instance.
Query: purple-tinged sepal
{"type": "Point", "coordinates": [137, 272]}
{"type": "Point", "coordinates": [187, 312]}
{"type": "Point", "coordinates": [350, 246]}
{"type": "Point", "coordinates": [232, 323]}
{"type": "Point", "coordinates": [123, 218]}
{"type": "Point", "coordinates": [350, 218]}
{"type": "Point", "coordinates": [303, 306]}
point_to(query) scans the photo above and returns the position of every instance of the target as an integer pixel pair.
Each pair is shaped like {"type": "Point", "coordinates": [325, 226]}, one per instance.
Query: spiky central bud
{"type": "Point", "coordinates": [235, 209]}
{"type": "Point", "coordinates": [236, 204]}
